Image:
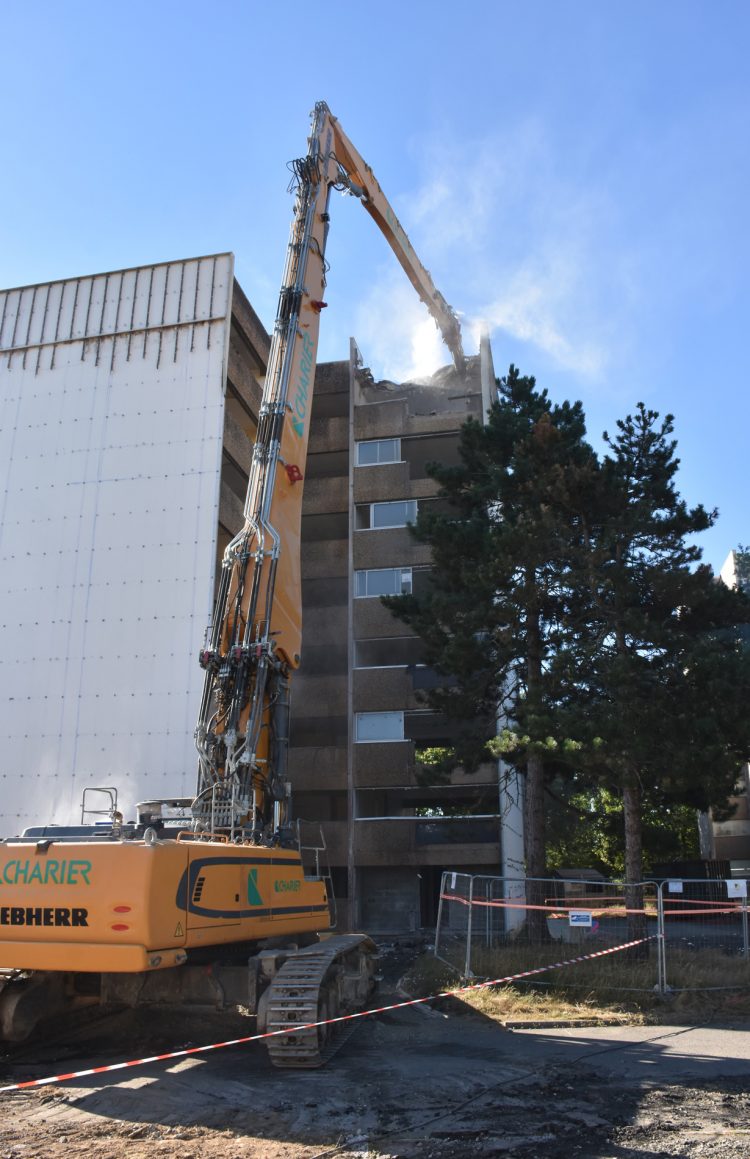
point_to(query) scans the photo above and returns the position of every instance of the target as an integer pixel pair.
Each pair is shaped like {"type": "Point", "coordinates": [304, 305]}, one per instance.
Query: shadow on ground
{"type": "Point", "coordinates": [411, 1083]}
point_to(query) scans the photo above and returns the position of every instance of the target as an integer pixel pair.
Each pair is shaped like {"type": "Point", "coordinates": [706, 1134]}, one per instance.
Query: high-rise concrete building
{"type": "Point", "coordinates": [358, 719]}
{"type": "Point", "coordinates": [130, 401]}
{"type": "Point", "coordinates": [732, 573]}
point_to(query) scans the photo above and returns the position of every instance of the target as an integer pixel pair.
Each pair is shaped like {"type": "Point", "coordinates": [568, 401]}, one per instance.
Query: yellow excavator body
{"type": "Point", "coordinates": [131, 906]}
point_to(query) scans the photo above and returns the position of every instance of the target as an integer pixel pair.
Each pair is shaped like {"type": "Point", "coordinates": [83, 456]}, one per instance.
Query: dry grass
{"type": "Point", "coordinates": [509, 1004]}
{"type": "Point", "coordinates": [703, 983]}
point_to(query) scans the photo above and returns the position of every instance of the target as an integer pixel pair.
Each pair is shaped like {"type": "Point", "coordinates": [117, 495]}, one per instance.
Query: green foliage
{"type": "Point", "coordinates": [663, 668]}
{"type": "Point", "coordinates": [585, 830]}
{"type": "Point", "coordinates": [434, 765]}
{"type": "Point", "coordinates": [567, 597]}
{"type": "Point", "coordinates": [509, 742]}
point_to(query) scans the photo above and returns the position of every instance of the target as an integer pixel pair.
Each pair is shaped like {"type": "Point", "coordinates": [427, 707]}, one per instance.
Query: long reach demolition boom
{"type": "Point", "coordinates": [254, 641]}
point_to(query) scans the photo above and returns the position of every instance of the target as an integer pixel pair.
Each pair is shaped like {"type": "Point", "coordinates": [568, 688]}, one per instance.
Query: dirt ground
{"type": "Point", "coordinates": [411, 1084]}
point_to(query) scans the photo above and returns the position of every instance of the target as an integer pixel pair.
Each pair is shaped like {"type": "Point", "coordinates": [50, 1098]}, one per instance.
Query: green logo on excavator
{"type": "Point", "coordinates": [253, 894]}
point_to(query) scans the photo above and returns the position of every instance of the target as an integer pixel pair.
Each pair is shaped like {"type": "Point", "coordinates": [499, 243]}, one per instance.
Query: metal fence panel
{"type": "Point", "coordinates": [694, 933]}
{"type": "Point", "coordinates": [495, 927]}
{"type": "Point", "coordinates": [453, 932]}
{"type": "Point", "coordinates": [705, 934]}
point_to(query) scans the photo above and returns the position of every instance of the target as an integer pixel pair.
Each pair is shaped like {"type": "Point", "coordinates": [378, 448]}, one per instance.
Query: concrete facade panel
{"type": "Point", "coordinates": [423, 489]}
{"type": "Point", "coordinates": [382, 689]}
{"type": "Point", "coordinates": [326, 558]}
{"type": "Point", "coordinates": [330, 436]}
{"type": "Point", "coordinates": [485, 857]}
{"type": "Point", "coordinates": [733, 828]}
{"type": "Point", "coordinates": [374, 484]}
{"type": "Point", "coordinates": [256, 340]}
{"type": "Point", "coordinates": [44, 318]}
{"type": "Point", "coordinates": [325, 495]}
{"type": "Point", "coordinates": [382, 765]}
{"type": "Point", "coordinates": [317, 767]}
{"type": "Point", "coordinates": [384, 419]}
{"type": "Point", "coordinates": [735, 848]}
{"type": "Point", "coordinates": [741, 808]}
{"type": "Point", "coordinates": [373, 621]}
{"type": "Point", "coordinates": [387, 481]}
{"type": "Point", "coordinates": [388, 547]}
{"type": "Point", "coordinates": [319, 695]}
{"type": "Point", "coordinates": [380, 420]}
{"type": "Point", "coordinates": [332, 378]}
{"type": "Point", "coordinates": [231, 510]}
{"type": "Point", "coordinates": [237, 444]}
{"type": "Point", "coordinates": [322, 625]}
{"type": "Point", "coordinates": [336, 834]}
{"type": "Point", "coordinates": [240, 373]}
{"type": "Point", "coordinates": [485, 774]}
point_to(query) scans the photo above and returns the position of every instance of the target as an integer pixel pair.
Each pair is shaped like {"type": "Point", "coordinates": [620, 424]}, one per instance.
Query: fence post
{"type": "Point", "coordinates": [467, 966]}
{"type": "Point", "coordinates": [661, 950]}
{"type": "Point", "coordinates": [487, 914]}
{"type": "Point", "coordinates": [440, 912]}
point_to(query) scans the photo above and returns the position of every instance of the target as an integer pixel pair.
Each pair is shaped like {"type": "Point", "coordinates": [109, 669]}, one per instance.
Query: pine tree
{"type": "Point", "coordinates": [501, 603]}
{"type": "Point", "coordinates": [666, 676]}
{"type": "Point", "coordinates": [567, 599]}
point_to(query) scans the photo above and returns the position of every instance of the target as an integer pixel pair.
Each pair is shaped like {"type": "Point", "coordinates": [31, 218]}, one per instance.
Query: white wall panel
{"type": "Point", "coordinates": [111, 419]}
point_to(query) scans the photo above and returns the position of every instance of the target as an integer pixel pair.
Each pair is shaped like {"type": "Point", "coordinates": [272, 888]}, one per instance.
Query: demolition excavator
{"type": "Point", "coordinates": [213, 900]}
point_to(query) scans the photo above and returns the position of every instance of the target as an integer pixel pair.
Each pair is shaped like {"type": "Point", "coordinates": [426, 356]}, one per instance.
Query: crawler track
{"type": "Point", "coordinates": [323, 981]}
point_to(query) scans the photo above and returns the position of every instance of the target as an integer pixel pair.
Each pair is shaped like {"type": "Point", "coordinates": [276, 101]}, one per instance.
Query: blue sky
{"type": "Point", "coordinates": [576, 174]}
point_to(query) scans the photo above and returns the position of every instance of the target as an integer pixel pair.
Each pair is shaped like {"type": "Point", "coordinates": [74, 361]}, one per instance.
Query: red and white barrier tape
{"type": "Point", "coordinates": [560, 908]}
{"type": "Point", "coordinates": [78, 1074]}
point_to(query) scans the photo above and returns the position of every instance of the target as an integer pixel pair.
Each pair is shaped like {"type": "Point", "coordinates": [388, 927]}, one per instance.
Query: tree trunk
{"type": "Point", "coordinates": [534, 819]}
{"type": "Point", "coordinates": [636, 918]}
{"type": "Point", "coordinates": [536, 856]}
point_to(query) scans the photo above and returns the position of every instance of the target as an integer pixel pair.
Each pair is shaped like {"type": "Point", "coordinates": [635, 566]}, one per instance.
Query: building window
{"type": "Point", "coordinates": [383, 581]}
{"type": "Point", "coordinates": [377, 726]}
{"type": "Point", "coordinates": [376, 451]}
{"type": "Point", "coordinates": [395, 514]}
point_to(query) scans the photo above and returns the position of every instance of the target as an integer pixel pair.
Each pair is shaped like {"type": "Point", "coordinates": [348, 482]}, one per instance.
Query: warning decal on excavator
{"type": "Point", "coordinates": [179, 932]}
